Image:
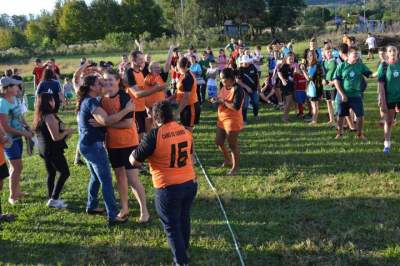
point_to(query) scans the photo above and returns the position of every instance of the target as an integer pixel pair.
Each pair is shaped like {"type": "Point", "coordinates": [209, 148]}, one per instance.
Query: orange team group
{"type": "Point", "coordinates": [142, 110]}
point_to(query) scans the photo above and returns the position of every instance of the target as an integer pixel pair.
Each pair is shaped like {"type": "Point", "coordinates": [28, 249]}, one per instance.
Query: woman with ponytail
{"type": "Point", "coordinates": [92, 122]}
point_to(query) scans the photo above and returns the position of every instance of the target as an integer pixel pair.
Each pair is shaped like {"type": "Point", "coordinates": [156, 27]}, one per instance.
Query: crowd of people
{"type": "Point", "coordinates": [143, 110]}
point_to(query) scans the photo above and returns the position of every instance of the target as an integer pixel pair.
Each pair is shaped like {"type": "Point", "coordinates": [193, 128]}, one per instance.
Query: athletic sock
{"type": "Point", "coordinates": [387, 143]}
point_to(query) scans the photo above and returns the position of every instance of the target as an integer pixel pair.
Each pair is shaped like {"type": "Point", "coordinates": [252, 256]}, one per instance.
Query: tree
{"type": "Point", "coordinates": [74, 22]}
{"type": "Point", "coordinates": [19, 22]}
{"type": "Point", "coordinates": [5, 21]}
{"type": "Point", "coordinates": [6, 41]}
{"type": "Point", "coordinates": [139, 16]}
{"type": "Point", "coordinates": [316, 16]}
{"type": "Point", "coordinates": [110, 13]}
{"type": "Point", "coordinates": [34, 34]}
{"type": "Point", "coordinates": [283, 14]}
{"type": "Point", "coordinates": [11, 38]}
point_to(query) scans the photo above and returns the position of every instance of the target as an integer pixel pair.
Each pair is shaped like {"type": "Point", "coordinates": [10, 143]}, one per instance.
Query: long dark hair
{"type": "Point", "coordinates": [42, 108]}
{"type": "Point", "coordinates": [48, 74]}
{"type": "Point", "coordinates": [84, 90]}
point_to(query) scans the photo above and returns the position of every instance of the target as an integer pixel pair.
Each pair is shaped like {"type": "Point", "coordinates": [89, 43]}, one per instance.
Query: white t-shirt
{"type": "Point", "coordinates": [212, 76]}
{"type": "Point", "coordinates": [371, 41]}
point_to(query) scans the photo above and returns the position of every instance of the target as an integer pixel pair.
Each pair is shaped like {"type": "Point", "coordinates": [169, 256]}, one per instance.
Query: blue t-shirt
{"type": "Point", "coordinates": [14, 113]}
{"type": "Point", "coordinates": [87, 133]}
{"type": "Point", "coordinates": [52, 87]}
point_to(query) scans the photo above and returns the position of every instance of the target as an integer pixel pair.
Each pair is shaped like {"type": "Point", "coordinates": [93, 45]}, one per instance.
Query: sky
{"type": "Point", "coordinates": [25, 7]}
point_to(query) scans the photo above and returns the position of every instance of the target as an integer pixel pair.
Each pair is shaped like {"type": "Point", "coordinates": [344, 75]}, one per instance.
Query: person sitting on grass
{"type": "Point", "coordinates": [168, 148]}
{"type": "Point", "coordinates": [267, 93]}
{"type": "Point", "coordinates": [348, 78]}
{"type": "Point", "coordinates": [389, 91]}
{"type": "Point", "coordinates": [230, 119]}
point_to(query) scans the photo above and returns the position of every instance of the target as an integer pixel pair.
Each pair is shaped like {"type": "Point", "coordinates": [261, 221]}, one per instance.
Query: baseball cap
{"type": "Point", "coordinates": [7, 81]}
{"type": "Point", "coordinates": [245, 59]}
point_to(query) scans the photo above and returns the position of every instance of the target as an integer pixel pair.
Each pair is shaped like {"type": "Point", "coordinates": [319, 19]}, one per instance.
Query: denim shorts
{"type": "Point", "coordinates": [15, 151]}
{"type": "Point", "coordinates": [300, 97]}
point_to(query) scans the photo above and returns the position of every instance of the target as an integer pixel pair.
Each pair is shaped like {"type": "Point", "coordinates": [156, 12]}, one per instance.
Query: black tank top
{"type": "Point", "coordinates": [46, 145]}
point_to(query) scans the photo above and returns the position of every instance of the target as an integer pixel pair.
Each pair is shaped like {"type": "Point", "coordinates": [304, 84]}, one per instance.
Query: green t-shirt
{"type": "Point", "coordinates": [391, 80]}
{"type": "Point", "coordinates": [204, 65]}
{"type": "Point", "coordinates": [329, 70]}
{"type": "Point", "coordinates": [14, 113]}
{"type": "Point", "coordinates": [351, 77]}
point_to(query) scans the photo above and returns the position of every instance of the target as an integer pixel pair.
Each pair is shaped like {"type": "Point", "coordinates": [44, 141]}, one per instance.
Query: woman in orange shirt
{"type": "Point", "coordinates": [121, 139]}
{"type": "Point", "coordinates": [230, 118]}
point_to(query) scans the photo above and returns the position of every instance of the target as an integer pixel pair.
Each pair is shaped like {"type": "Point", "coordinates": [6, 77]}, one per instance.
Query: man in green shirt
{"type": "Point", "coordinates": [348, 82]}
{"type": "Point", "coordinates": [389, 91]}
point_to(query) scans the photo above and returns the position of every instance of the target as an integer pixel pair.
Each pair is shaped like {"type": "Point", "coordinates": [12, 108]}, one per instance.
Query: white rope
{"type": "Point", "coordinates": [236, 243]}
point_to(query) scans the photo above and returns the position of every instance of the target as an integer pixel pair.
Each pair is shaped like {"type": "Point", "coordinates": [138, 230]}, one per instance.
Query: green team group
{"type": "Point", "coordinates": [339, 76]}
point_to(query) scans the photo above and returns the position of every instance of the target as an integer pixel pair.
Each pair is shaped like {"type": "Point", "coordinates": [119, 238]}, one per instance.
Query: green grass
{"type": "Point", "coordinates": [301, 198]}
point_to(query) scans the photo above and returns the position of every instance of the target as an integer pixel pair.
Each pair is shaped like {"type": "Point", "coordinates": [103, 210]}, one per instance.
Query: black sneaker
{"type": "Point", "coordinates": [98, 211]}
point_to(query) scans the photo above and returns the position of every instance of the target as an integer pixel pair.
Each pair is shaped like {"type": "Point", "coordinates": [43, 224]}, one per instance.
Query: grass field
{"type": "Point", "coordinates": [302, 198]}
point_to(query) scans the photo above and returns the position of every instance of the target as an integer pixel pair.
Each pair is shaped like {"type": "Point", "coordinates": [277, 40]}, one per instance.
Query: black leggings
{"type": "Point", "coordinates": [201, 93]}
{"type": "Point", "coordinates": [56, 163]}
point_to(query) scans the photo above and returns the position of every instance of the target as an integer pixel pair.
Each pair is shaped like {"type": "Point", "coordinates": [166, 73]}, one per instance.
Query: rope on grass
{"type": "Point", "coordinates": [221, 206]}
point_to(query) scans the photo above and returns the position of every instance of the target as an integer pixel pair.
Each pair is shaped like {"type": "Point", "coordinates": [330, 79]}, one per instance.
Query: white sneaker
{"type": "Point", "coordinates": [52, 203]}
{"type": "Point", "coordinates": [12, 201]}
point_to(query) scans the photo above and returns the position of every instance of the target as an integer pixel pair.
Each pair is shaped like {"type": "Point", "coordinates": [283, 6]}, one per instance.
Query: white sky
{"type": "Point", "coordinates": [25, 7]}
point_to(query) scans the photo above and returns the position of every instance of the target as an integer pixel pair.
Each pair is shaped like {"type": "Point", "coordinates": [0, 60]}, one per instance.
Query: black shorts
{"type": "Point", "coordinates": [140, 118]}
{"type": "Point", "coordinates": [119, 157]}
{"type": "Point", "coordinates": [392, 106]}
{"type": "Point", "coordinates": [4, 171]}
{"type": "Point", "coordinates": [330, 95]}
{"type": "Point", "coordinates": [190, 115]}
{"type": "Point", "coordinates": [287, 90]}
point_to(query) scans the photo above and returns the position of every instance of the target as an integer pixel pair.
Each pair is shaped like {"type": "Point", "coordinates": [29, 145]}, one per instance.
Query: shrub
{"type": "Point", "coordinates": [119, 40]}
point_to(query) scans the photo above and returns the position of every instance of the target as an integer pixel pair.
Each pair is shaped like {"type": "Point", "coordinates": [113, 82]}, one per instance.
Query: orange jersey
{"type": "Point", "coordinates": [119, 137]}
{"type": "Point", "coordinates": [149, 82]}
{"type": "Point", "coordinates": [183, 86]}
{"type": "Point", "coordinates": [168, 149]}
{"type": "Point", "coordinates": [228, 119]}
{"type": "Point", "coordinates": [136, 78]}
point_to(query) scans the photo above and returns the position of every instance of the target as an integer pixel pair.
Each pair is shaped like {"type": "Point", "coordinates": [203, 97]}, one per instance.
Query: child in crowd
{"type": "Point", "coordinates": [348, 79]}
{"type": "Point", "coordinates": [300, 83]}
{"type": "Point", "coordinates": [285, 74]}
{"type": "Point", "coordinates": [68, 90]}
{"type": "Point", "coordinates": [222, 60]}
{"type": "Point", "coordinates": [329, 92]}
{"type": "Point", "coordinates": [212, 73]}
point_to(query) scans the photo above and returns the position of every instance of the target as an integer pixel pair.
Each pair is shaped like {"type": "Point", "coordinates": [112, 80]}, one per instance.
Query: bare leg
{"type": "Point", "coordinates": [288, 105]}
{"type": "Point", "coordinates": [15, 176]}
{"type": "Point", "coordinates": [122, 185]}
{"type": "Point", "coordinates": [330, 111]}
{"type": "Point", "coordinates": [387, 130]}
{"type": "Point", "coordinates": [235, 152]}
{"type": "Point", "coordinates": [140, 194]}
{"type": "Point", "coordinates": [220, 142]}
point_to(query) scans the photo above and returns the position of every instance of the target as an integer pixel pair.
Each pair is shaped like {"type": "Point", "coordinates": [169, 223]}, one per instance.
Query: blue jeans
{"type": "Point", "coordinates": [173, 205]}
{"type": "Point", "coordinates": [255, 101]}
{"type": "Point", "coordinates": [100, 174]}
